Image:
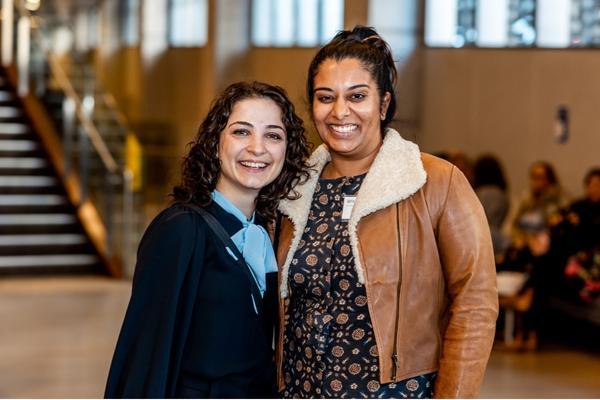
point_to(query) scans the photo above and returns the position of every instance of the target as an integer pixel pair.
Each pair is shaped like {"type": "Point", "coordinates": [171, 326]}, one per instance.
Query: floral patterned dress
{"type": "Point", "coordinates": [329, 344]}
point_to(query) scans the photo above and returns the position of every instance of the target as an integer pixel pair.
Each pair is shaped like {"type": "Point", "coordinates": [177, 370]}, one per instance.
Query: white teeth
{"type": "Point", "coordinates": [251, 164]}
{"type": "Point", "coordinates": [344, 128]}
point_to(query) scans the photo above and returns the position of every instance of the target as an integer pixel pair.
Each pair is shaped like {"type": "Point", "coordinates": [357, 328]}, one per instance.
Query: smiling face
{"type": "Point", "coordinates": [347, 109]}
{"type": "Point", "coordinates": [251, 148]}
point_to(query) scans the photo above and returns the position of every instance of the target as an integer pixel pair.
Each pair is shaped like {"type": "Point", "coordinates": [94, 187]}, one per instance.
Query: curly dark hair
{"type": "Point", "coordinates": [364, 44]}
{"type": "Point", "coordinates": [201, 166]}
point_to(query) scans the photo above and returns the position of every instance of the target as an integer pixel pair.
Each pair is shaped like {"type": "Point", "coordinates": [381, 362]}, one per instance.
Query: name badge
{"type": "Point", "coordinates": [348, 206]}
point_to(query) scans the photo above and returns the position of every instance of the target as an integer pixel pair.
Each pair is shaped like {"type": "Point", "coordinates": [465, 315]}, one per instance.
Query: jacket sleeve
{"type": "Point", "coordinates": [467, 258]}
{"type": "Point", "coordinates": [147, 356]}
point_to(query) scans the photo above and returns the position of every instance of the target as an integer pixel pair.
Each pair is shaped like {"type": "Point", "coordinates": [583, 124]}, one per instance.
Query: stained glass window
{"type": "Point", "coordinates": [512, 23]}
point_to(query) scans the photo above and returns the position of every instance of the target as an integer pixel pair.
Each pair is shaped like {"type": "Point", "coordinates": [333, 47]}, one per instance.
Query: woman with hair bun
{"type": "Point", "coordinates": [387, 276]}
{"type": "Point", "coordinates": [201, 315]}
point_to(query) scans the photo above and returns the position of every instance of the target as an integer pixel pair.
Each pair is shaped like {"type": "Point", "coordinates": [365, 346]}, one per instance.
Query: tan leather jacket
{"type": "Point", "coordinates": [422, 248]}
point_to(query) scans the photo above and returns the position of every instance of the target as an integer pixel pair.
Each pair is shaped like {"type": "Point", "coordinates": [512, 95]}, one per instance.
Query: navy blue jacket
{"type": "Point", "coordinates": [190, 312]}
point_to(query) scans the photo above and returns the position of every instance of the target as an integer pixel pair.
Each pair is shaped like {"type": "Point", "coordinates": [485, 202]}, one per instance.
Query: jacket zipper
{"type": "Point", "coordinates": [395, 359]}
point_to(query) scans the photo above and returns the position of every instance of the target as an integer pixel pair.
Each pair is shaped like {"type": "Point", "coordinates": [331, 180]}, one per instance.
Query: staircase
{"type": "Point", "coordinates": [39, 230]}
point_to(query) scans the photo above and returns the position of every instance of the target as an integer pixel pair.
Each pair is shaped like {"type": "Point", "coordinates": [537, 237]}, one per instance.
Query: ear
{"type": "Point", "coordinates": [385, 103]}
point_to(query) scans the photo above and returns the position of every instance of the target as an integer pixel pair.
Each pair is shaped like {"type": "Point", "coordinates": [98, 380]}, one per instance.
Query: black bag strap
{"type": "Point", "coordinates": [227, 243]}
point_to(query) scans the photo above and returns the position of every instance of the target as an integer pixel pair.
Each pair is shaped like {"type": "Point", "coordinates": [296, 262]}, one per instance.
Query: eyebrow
{"type": "Point", "coordinates": [248, 124]}
{"type": "Point", "coordinates": [360, 85]}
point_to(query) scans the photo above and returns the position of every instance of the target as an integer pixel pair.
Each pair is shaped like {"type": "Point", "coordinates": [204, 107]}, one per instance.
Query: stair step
{"type": "Point", "coordinates": [13, 128]}
{"type": "Point", "coordinates": [47, 260]}
{"type": "Point", "coordinates": [7, 96]}
{"type": "Point", "coordinates": [18, 145]}
{"type": "Point", "coordinates": [23, 163]}
{"type": "Point", "coordinates": [27, 181]}
{"type": "Point", "coordinates": [10, 112]}
{"type": "Point", "coordinates": [36, 219]}
{"type": "Point", "coordinates": [32, 200]}
{"type": "Point", "coordinates": [42, 240]}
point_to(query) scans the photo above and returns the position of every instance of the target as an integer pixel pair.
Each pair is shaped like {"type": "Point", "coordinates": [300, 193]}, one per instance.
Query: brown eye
{"type": "Point", "coordinates": [325, 98]}
{"type": "Point", "coordinates": [275, 136]}
{"type": "Point", "coordinates": [357, 96]}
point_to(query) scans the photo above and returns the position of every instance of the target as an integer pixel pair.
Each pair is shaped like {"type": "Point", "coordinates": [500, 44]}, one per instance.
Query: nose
{"type": "Point", "coordinates": [256, 145]}
{"type": "Point", "coordinates": [340, 108]}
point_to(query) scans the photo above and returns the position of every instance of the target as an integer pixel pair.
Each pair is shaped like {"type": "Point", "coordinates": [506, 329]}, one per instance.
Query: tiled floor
{"type": "Point", "coordinates": [57, 336]}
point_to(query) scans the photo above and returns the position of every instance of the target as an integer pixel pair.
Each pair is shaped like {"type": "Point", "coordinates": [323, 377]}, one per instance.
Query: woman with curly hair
{"type": "Point", "coordinates": [200, 318]}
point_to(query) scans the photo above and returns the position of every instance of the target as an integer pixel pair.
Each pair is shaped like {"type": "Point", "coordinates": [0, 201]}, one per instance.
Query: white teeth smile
{"type": "Point", "coordinates": [344, 128]}
{"type": "Point", "coordinates": [251, 164]}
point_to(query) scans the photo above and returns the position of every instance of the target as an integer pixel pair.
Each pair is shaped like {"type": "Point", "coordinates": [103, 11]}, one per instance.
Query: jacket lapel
{"type": "Point", "coordinates": [396, 173]}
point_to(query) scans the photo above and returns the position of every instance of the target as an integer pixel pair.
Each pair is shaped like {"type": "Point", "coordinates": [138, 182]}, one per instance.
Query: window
{"type": "Point", "coordinates": [466, 32]}
{"type": "Point", "coordinates": [188, 23]}
{"type": "Point", "coordinates": [86, 29]}
{"type": "Point", "coordinates": [130, 22]}
{"type": "Point", "coordinates": [512, 23]}
{"type": "Point", "coordinates": [521, 23]}
{"type": "Point", "coordinates": [585, 23]}
{"type": "Point", "coordinates": [305, 23]}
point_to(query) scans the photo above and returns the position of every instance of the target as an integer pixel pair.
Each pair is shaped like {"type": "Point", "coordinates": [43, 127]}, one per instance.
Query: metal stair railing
{"type": "Point", "coordinates": [106, 180]}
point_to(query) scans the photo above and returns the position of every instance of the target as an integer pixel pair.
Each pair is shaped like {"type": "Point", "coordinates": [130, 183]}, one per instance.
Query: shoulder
{"type": "Point", "coordinates": [174, 238]}
{"type": "Point", "coordinates": [439, 172]}
{"type": "Point", "coordinates": [446, 184]}
{"type": "Point", "coordinates": [436, 167]}
{"type": "Point", "coordinates": [177, 220]}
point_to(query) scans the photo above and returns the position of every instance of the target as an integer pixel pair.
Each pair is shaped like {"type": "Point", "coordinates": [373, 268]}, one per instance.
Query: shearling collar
{"type": "Point", "coordinates": [396, 173]}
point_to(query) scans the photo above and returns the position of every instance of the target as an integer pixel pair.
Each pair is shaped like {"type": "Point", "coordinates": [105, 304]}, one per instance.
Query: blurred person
{"type": "Point", "coordinates": [552, 237]}
{"type": "Point", "coordinates": [491, 189]}
{"type": "Point", "coordinates": [202, 306]}
{"type": "Point", "coordinates": [544, 199]}
{"type": "Point", "coordinates": [584, 214]}
{"type": "Point", "coordinates": [534, 263]}
{"type": "Point", "coordinates": [582, 220]}
{"type": "Point", "coordinates": [388, 285]}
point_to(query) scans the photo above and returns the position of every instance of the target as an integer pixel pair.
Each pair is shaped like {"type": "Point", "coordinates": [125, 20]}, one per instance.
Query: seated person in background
{"type": "Point", "coordinates": [581, 228]}
{"type": "Point", "coordinates": [564, 243]}
{"type": "Point", "coordinates": [490, 186]}
{"type": "Point", "coordinates": [545, 198]}
{"type": "Point", "coordinates": [536, 261]}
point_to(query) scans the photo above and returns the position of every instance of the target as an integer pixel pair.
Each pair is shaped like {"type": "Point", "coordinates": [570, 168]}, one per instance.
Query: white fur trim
{"type": "Point", "coordinates": [396, 173]}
